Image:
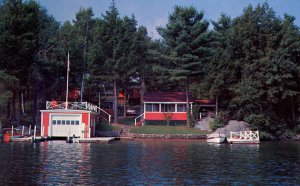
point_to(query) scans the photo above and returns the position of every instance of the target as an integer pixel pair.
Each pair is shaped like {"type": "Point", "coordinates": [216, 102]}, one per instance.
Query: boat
{"type": "Point", "coordinates": [8, 133]}
{"type": "Point", "coordinates": [250, 137]}
{"type": "Point", "coordinates": [216, 137]}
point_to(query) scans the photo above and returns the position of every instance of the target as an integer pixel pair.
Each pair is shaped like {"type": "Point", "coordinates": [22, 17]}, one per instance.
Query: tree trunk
{"type": "Point", "coordinates": [13, 102]}
{"type": "Point", "coordinates": [125, 102]}
{"type": "Point", "coordinates": [34, 106]}
{"type": "Point", "coordinates": [82, 87]}
{"type": "Point", "coordinates": [18, 108]}
{"type": "Point", "coordinates": [217, 102]}
{"type": "Point", "coordinates": [187, 100]}
{"type": "Point", "coordinates": [142, 93]}
{"type": "Point", "coordinates": [8, 113]}
{"type": "Point", "coordinates": [293, 113]}
{"type": "Point", "coordinates": [115, 100]}
{"type": "Point", "coordinates": [22, 103]}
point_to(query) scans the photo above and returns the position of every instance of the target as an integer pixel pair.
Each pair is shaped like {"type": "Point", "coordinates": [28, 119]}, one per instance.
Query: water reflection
{"type": "Point", "coordinates": [149, 163]}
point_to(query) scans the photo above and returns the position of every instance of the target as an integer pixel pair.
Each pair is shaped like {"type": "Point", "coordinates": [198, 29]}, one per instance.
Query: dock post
{"type": "Point", "coordinates": [34, 133]}
{"type": "Point", "coordinates": [23, 130]}
{"type": "Point", "coordinates": [29, 132]}
{"type": "Point", "coordinates": [12, 132]}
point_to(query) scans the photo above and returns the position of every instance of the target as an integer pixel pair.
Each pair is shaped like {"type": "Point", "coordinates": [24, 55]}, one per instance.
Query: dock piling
{"type": "Point", "coordinates": [12, 131]}
{"type": "Point", "coordinates": [34, 133]}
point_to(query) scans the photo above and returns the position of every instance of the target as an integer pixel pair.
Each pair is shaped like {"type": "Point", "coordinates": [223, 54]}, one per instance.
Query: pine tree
{"type": "Point", "coordinates": [187, 38]}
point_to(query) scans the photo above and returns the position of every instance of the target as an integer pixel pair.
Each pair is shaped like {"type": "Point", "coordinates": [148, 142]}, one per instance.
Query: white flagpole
{"type": "Point", "coordinates": [67, 90]}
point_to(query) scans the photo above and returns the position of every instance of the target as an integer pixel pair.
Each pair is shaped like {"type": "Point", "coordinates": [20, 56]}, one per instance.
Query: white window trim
{"type": "Point", "coordinates": [160, 108]}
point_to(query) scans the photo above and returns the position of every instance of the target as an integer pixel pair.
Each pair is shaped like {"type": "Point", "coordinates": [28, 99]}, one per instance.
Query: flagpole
{"type": "Point", "coordinates": [67, 90]}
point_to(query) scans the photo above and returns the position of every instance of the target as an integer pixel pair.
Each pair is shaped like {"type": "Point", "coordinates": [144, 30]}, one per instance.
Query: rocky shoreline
{"type": "Point", "coordinates": [169, 136]}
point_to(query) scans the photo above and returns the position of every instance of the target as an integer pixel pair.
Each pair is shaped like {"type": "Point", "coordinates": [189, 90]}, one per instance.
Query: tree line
{"type": "Point", "coordinates": [249, 63]}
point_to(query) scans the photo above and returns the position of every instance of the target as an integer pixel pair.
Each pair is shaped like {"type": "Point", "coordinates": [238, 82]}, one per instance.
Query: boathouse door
{"type": "Point", "coordinates": [64, 125]}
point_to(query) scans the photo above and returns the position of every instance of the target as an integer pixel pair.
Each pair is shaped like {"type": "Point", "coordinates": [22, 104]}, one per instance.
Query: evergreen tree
{"type": "Point", "coordinates": [187, 37]}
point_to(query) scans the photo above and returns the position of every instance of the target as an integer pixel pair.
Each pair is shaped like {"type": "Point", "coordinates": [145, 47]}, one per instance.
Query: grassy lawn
{"type": "Point", "coordinates": [127, 121]}
{"type": "Point", "coordinates": [150, 129]}
{"type": "Point", "coordinates": [106, 127]}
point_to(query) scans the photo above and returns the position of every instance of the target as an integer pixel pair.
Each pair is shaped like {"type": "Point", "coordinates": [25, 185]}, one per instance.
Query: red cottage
{"type": "Point", "coordinates": [162, 106]}
{"type": "Point", "coordinates": [78, 119]}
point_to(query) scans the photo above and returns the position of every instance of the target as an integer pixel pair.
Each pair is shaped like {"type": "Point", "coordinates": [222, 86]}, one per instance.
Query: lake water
{"type": "Point", "coordinates": [149, 163]}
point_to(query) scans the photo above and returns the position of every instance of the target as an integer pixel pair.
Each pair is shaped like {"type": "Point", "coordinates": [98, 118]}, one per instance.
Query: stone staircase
{"type": "Point", "coordinates": [124, 131]}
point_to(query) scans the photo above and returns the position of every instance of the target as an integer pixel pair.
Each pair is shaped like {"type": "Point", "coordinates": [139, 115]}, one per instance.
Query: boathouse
{"type": "Point", "coordinates": [162, 106]}
{"type": "Point", "coordinates": [72, 119]}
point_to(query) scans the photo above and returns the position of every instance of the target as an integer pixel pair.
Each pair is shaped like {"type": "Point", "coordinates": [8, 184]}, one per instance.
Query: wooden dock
{"type": "Point", "coordinates": [28, 139]}
{"type": "Point", "coordinates": [103, 140]}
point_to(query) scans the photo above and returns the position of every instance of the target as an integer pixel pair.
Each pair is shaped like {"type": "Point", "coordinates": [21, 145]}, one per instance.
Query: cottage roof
{"type": "Point", "coordinates": [165, 97]}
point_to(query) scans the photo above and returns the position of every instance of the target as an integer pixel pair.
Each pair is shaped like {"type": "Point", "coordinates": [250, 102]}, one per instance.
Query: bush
{"type": "Point", "coordinates": [216, 123]}
{"type": "Point", "coordinates": [265, 136]}
{"type": "Point", "coordinates": [297, 129]}
{"type": "Point", "coordinates": [288, 134]}
{"type": "Point", "coordinates": [192, 117]}
{"type": "Point", "coordinates": [256, 121]}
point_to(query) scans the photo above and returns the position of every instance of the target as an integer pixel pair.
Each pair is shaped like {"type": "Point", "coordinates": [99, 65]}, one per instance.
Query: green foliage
{"type": "Point", "coordinates": [257, 121]}
{"type": "Point", "coordinates": [192, 117]}
{"type": "Point", "coordinates": [288, 134]}
{"type": "Point", "coordinates": [168, 116]}
{"type": "Point", "coordinates": [251, 62]}
{"type": "Point", "coordinates": [216, 123]}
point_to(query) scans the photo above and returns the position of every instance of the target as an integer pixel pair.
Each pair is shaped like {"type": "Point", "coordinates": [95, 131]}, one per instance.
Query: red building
{"type": "Point", "coordinates": [78, 119]}
{"type": "Point", "coordinates": [162, 106]}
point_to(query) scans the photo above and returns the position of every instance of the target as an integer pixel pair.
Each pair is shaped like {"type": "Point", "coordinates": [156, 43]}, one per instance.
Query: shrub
{"type": "Point", "coordinates": [256, 121]}
{"type": "Point", "coordinates": [216, 123]}
{"type": "Point", "coordinates": [288, 134]}
{"type": "Point", "coordinates": [192, 117]}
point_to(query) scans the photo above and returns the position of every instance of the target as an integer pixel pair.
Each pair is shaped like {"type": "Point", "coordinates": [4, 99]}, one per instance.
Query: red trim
{"type": "Point", "coordinates": [160, 116]}
{"type": "Point", "coordinates": [46, 123]}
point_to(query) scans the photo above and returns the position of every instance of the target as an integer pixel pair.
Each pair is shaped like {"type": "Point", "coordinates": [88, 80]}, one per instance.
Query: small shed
{"type": "Point", "coordinates": [72, 119]}
{"type": "Point", "coordinates": [162, 106]}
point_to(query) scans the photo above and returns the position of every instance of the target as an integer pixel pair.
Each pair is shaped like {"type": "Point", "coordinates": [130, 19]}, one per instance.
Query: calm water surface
{"type": "Point", "coordinates": [149, 163]}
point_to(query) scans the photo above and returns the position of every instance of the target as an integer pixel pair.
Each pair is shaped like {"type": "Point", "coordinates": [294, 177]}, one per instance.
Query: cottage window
{"type": "Point", "coordinates": [168, 107]}
{"type": "Point", "coordinates": [149, 107]}
{"type": "Point", "coordinates": [152, 107]}
{"type": "Point", "coordinates": [181, 107]}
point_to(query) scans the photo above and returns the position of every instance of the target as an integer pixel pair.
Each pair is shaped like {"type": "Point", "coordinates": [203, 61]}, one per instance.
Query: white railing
{"type": "Point", "coordinates": [245, 135]}
{"type": "Point", "coordinates": [140, 117]}
{"type": "Point", "coordinates": [50, 105]}
{"type": "Point", "coordinates": [106, 115]}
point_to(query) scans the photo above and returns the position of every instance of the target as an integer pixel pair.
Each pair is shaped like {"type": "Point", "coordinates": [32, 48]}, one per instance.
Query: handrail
{"type": "Point", "coordinates": [137, 118]}
{"type": "Point", "coordinates": [247, 135]}
{"type": "Point", "coordinates": [109, 116]}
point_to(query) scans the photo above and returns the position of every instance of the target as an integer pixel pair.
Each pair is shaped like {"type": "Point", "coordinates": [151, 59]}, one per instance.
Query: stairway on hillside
{"type": "Point", "coordinates": [124, 131]}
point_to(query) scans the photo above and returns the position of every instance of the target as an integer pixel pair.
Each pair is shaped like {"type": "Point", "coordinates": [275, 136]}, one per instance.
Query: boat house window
{"type": "Point", "coordinates": [181, 107]}
{"type": "Point", "coordinates": [168, 107]}
{"type": "Point", "coordinates": [152, 107]}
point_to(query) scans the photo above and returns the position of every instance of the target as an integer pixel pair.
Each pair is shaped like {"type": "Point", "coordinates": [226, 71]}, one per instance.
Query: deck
{"type": "Point", "coordinates": [103, 140]}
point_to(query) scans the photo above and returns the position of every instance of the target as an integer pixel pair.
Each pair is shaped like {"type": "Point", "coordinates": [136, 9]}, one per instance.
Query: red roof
{"type": "Point", "coordinates": [205, 101]}
{"type": "Point", "coordinates": [165, 97]}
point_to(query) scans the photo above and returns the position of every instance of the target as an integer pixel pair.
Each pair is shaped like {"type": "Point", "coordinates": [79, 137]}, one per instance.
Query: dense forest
{"type": "Point", "coordinates": [250, 63]}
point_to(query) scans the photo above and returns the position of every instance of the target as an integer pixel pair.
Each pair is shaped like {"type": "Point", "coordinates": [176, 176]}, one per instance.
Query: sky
{"type": "Point", "coordinates": [154, 13]}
